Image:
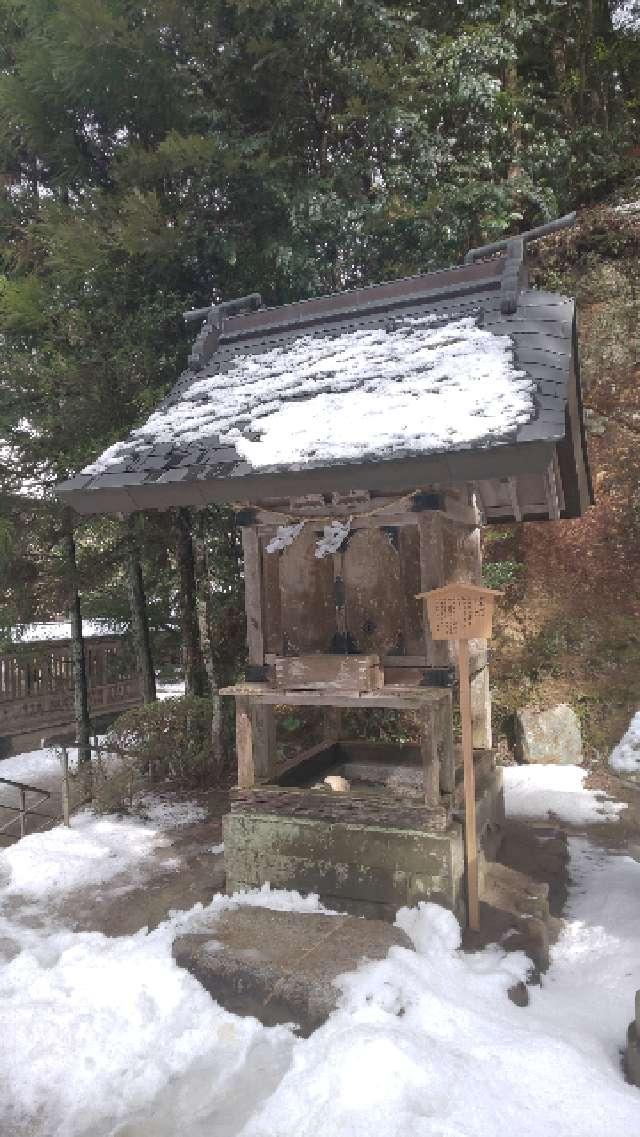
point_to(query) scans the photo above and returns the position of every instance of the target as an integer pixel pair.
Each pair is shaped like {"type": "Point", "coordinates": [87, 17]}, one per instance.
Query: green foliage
{"type": "Point", "coordinates": [496, 574]}
{"type": "Point", "coordinates": [154, 156]}
{"type": "Point", "coordinates": [167, 742]}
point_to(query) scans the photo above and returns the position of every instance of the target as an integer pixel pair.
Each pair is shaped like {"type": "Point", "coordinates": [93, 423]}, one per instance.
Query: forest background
{"type": "Point", "coordinates": [156, 157]}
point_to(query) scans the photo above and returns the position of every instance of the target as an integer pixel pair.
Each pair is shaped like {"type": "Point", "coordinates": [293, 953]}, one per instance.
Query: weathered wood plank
{"type": "Point", "coordinates": [340, 673]}
{"type": "Point", "coordinates": [350, 807]}
{"type": "Point", "coordinates": [263, 725]}
{"type": "Point", "coordinates": [253, 594]}
{"type": "Point", "coordinates": [307, 596]}
{"type": "Point", "coordinates": [432, 575]}
{"type": "Point", "coordinates": [373, 588]}
{"type": "Point", "coordinates": [271, 598]}
{"type": "Point", "coordinates": [244, 744]}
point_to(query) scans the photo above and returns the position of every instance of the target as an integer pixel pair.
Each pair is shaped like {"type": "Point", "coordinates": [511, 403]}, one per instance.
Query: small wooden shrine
{"type": "Point", "coordinates": [363, 438]}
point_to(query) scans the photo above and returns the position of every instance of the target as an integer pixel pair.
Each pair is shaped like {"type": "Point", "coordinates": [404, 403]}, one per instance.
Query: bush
{"type": "Point", "coordinates": [168, 741]}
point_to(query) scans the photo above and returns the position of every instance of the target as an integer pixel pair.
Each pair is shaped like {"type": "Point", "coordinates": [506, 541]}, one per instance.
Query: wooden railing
{"type": "Point", "coordinates": [36, 684]}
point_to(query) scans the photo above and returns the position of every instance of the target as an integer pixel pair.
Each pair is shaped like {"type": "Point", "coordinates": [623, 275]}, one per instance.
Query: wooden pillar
{"type": "Point", "coordinates": [445, 744]}
{"type": "Point", "coordinates": [430, 755]}
{"type": "Point", "coordinates": [470, 836]}
{"type": "Point", "coordinates": [331, 723]}
{"type": "Point", "coordinates": [244, 744]}
{"type": "Point", "coordinates": [253, 595]}
{"type": "Point", "coordinates": [263, 722]}
{"type": "Point", "coordinates": [432, 575]}
{"type": "Point", "coordinates": [481, 709]}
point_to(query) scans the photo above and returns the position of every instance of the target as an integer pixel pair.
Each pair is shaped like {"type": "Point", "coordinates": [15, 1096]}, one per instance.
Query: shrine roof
{"type": "Point", "coordinates": [430, 379]}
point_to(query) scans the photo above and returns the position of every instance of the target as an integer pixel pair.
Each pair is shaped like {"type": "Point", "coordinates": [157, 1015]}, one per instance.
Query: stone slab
{"type": "Point", "coordinates": [281, 966]}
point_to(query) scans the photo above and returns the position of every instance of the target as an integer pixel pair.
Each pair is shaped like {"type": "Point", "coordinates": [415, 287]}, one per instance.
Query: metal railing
{"type": "Point", "coordinates": [22, 810]}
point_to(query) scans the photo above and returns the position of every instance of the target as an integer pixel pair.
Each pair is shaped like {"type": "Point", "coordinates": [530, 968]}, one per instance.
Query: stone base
{"type": "Point", "coordinates": [362, 869]}
{"type": "Point", "coordinates": [281, 966]}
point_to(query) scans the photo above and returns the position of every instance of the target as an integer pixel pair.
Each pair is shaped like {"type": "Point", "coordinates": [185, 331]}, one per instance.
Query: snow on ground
{"type": "Point", "coordinates": [61, 630]}
{"type": "Point", "coordinates": [558, 791]}
{"type": "Point", "coordinates": [166, 813]}
{"type": "Point", "coordinates": [107, 1037]}
{"type": "Point", "coordinates": [170, 690]}
{"type": "Point", "coordinates": [90, 852]}
{"type": "Point", "coordinates": [625, 757]}
{"type": "Point", "coordinates": [33, 766]}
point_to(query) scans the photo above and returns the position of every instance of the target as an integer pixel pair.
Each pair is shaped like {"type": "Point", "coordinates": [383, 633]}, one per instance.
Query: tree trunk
{"type": "Point", "coordinates": [80, 692]}
{"type": "Point", "coordinates": [139, 616]}
{"type": "Point", "coordinates": [204, 609]}
{"type": "Point", "coordinates": [194, 671]}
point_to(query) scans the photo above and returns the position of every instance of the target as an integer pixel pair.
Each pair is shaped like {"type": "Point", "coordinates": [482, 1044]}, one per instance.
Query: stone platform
{"type": "Point", "coordinates": [280, 966]}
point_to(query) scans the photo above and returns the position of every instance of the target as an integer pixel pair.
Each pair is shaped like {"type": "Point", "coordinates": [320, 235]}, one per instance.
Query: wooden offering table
{"type": "Point", "coordinates": [255, 728]}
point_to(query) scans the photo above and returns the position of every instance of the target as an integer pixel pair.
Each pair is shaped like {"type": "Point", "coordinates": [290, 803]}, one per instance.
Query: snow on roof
{"type": "Point", "coordinates": [61, 630]}
{"type": "Point", "coordinates": [417, 385]}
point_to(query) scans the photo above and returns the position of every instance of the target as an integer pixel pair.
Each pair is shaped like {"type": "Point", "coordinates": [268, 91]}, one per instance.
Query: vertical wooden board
{"type": "Point", "coordinates": [432, 575]}
{"type": "Point", "coordinates": [244, 744]}
{"type": "Point", "coordinates": [429, 724]}
{"type": "Point", "coordinates": [462, 554]}
{"type": "Point", "coordinates": [271, 601]}
{"type": "Point", "coordinates": [409, 552]}
{"type": "Point", "coordinates": [308, 614]}
{"type": "Point", "coordinates": [253, 594]}
{"type": "Point", "coordinates": [373, 590]}
{"type": "Point", "coordinates": [481, 710]}
{"type": "Point", "coordinates": [263, 725]}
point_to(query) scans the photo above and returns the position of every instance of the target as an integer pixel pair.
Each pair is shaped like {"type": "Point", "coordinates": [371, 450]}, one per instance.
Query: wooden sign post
{"type": "Point", "coordinates": [464, 612]}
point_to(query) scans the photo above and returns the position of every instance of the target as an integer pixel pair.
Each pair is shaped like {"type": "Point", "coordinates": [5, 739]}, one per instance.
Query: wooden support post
{"type": "Point", "coordinates": [263, 725]}
{"type": "Point", "coordinates": [65, 786]}
{"type": "Point", "coordinates": [244, 744]}
{"type": "Point", "coordinates": [432, 575]}
{"type": "Point", "coordinates": [471, 842]}
{"type": "Point", "coordinates": [253, 595]}
{"type": "Point", "coordinates": [331, 723]}
{"type": "Point", "coordinates": [23, 811]}
{"type": "Point", "coordinates": [481, 710]}
{"type": "Point", "coordinates": [447, 755]}
{"type": "Point", "coordinates": [430, 756]}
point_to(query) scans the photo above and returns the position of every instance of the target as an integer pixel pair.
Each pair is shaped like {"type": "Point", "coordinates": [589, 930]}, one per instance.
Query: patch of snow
{"type": "Point", "coordinates": [625, 757]}
{"type": "Point", "coordinates": [334, 535]}
{"type": "Point", "coordinates": [170, 690]}
{"type": "Point", "coordinates": [558, 791]}
{"type": "Point", "coordinates": [285, 536]}
{"type": "Point", "coordinates": [417, 387]}
{"type": "Point", "coordinates": [168, 814]}
{"type": "Point", "coordinates": [626, 16]}
{"type": "Point", "coordinates": [107, 1036]}
{"type": "Point", "coordinates": [34, 766]}
{"type": "Point", "coordinates": [61, 630]}
{"type": "Point", "coordinates": [627, 207]}
{"type": "Point", "coordinates": [90, 852]}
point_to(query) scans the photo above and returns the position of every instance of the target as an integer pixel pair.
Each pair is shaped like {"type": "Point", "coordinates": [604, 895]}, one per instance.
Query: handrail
{"type": "Point", "coordinates": [22, 811]}
{"type": "Point", "coordinates": [25, 786]}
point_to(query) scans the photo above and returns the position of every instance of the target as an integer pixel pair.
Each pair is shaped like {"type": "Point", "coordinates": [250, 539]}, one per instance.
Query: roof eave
{"type": "Point", "coordinates": [449, 467]}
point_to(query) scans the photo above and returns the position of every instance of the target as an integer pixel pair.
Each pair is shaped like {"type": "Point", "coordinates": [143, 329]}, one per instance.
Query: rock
{"type": "Point", "coordinates": [281, 966]}
{"type": "Point", "coordinates": [519, 994]}
{"type": "Point", "coordinates": [551, 736]}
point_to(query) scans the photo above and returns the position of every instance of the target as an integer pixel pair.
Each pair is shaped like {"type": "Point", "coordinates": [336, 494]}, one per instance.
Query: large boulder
{"type": "Point", "coordinates": [551, 736]}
